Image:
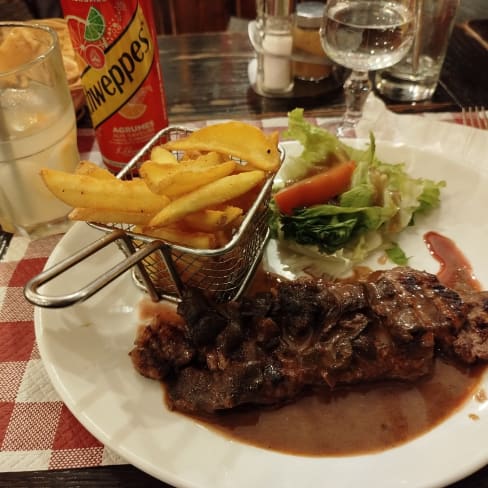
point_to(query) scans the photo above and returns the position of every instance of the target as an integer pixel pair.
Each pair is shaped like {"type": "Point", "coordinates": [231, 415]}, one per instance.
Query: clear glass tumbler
{"type": "Point", "coordinates": [416, 76]}
{"type": "Point", "coordinates": [37, 128]}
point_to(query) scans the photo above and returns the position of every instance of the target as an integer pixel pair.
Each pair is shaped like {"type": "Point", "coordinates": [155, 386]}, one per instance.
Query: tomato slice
{"type": "Point", "coordinates": [316, 189]}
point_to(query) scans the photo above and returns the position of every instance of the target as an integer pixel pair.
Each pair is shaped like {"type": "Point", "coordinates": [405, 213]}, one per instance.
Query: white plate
{"type": "Point", "coordinates": [85, 350]}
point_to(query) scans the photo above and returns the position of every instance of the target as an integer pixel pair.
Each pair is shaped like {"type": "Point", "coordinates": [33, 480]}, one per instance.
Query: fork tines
{"type": "Point", "coordinates": [475, 117]}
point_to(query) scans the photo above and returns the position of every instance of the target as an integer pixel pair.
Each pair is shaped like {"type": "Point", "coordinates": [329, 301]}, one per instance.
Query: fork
{"type": "Point", "coordinates": [475, 117]}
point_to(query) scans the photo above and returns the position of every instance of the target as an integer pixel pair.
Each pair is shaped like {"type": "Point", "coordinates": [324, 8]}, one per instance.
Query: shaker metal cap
{"type": "Point", "coordinates": [309, 14]}
{"type": "Point", "coordinates": [279, 8]}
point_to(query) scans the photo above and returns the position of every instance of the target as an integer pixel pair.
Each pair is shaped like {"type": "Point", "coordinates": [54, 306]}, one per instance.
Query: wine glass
{"type": "Point", "coordinates": [365, 35]}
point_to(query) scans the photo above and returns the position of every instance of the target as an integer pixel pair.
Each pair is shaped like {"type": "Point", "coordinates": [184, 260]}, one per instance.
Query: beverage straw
{"type": "Point", "coordinates": [416, 39]}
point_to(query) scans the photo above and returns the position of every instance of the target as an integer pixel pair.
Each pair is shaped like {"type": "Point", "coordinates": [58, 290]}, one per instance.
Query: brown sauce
{"type": "Point", "coordinates": [364, 419]}
{"type": "Point", "coordinates": [455, 270]}
{"type": "Point", "coordinates": [352, 421]}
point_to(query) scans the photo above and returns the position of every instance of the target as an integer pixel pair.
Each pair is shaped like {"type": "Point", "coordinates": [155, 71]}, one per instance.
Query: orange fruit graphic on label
{"type": "Point", "coordinates": [95, 56]}
{"type": "Point", "coordinates": [133, 110]}
{"type": "Point", "coordinates": [88, 37]}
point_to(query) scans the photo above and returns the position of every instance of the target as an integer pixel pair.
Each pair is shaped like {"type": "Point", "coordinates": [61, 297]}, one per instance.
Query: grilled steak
{"type": "Point", "coordinates": [267, 349]}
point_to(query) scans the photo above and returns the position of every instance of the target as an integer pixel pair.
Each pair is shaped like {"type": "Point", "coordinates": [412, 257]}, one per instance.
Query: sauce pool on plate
{"type": "Point", "coordinates": [455, 270]}
{"type": "Point", "coordinates": [355, 420]}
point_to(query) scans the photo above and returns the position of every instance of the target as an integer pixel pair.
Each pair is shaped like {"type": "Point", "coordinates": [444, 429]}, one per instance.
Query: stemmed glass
{"type": "Point", "coordinates": [365, 35]}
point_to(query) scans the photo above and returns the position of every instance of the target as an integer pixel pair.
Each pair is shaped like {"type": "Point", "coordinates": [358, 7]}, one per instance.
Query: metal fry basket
{"type": "Point", "coordinates": [164, 269]}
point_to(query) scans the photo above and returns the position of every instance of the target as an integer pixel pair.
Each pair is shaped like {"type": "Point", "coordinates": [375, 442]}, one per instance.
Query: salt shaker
{"type": "Point", "coordinates": [275, 75]}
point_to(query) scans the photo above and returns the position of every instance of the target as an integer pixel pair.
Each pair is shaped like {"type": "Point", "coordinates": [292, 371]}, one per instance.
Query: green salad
{"type": "Point", "coordinates": [337, 204]}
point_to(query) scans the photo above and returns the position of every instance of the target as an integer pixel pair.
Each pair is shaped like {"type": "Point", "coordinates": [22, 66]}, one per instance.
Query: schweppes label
{"type": "Point", "coordinates": [127, 63]}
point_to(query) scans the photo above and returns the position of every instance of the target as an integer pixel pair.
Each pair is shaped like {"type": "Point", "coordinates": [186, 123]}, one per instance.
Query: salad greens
{"type": "Point", "coordinates": [382, 201]}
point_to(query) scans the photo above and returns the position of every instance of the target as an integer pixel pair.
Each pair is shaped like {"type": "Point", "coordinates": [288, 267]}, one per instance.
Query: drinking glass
{"type": "Point", "coordinates": [416, 76]}
{"type": "Point", "coordinates": [37, 129]}
{"type": "Point", "coordinates": [365, 35]}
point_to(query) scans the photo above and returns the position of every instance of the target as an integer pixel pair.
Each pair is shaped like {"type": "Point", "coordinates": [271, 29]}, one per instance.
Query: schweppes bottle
{"type": "Point", "coordinates": [116, 47]}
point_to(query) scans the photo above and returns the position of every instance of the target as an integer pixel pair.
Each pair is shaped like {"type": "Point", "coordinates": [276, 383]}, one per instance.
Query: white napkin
{"type": "Point", "coordinates": [455, 141]}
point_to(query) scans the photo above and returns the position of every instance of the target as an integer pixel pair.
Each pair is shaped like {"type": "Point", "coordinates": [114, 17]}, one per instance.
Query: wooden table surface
{"type": "Point", "coordinates": [206, 77]}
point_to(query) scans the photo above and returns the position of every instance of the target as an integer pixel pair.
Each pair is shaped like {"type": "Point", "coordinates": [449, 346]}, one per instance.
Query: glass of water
{"type": "Point", "coordinates": [416, 76]}
{"type": "Point", "coordinates": [365, 35]}
{"type": "Point", "coordinates": [37, 129]}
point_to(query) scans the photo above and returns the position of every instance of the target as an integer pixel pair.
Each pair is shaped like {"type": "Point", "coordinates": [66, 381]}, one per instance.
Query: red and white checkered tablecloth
{"type": "Point", "coordinates": [37, 431]}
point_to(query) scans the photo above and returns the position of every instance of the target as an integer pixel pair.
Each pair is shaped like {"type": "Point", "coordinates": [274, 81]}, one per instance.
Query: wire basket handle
{"type": "Point", "coordinates": [134, 258]}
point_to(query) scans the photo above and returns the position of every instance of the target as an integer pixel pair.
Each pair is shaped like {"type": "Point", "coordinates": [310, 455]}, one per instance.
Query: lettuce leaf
{"type": "Point", "coordinates": [331, 227]}
{"type": "Point", "coordinates": [382, 201]}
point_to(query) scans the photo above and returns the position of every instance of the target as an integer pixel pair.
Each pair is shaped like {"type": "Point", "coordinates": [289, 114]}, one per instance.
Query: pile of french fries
{"type": "Point", "coordinates": [197, 200]}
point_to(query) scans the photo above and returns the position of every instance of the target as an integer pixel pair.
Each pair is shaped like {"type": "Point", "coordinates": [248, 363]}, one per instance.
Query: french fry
{"type": "Point", "coordinates": [197, 197]}
{"type": "Point", "coordinates": [194, 239]}
{"type": "Point", "coordinates": [190, 180]}
{"type": "Point", "coordinates": [161, 155]}
{"type": "Point", "coordinates": [214, 193]}
{"type": "Point", "coordinates": [209, 158]}
{"type": "Point", "coordinates": [89, 192]}
{"type": "Point", "coordinates": [222, 238]}
{"type": "Point", "coordinates": [243, 167]}
{"type": "Point", "coordinates": [201, 161]}
{"type": "Point", "coordinates": [209, 220]}
{"type": "Point", "coordinates": [246, 200]}
{"type": "Point", "coordinates": [152, 173]}
{"type": "Point", "coordinates": [88, 168]}
{"type": "Point", "coordinates": [108, 216]}
{"type": "Point", "coordinates": [176, 182]}
{"type": "Point", "coordinates": [160, 175]}
{"type": "Point", "coordinates": [192, 155]}
{"type": "Point", "coordinates": [236, 139]}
